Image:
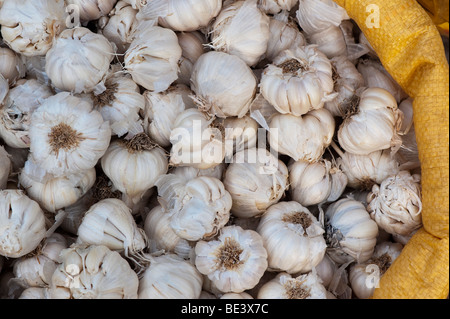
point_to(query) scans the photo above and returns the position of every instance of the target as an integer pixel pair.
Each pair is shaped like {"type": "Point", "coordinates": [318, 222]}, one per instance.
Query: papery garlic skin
{"type": "Point", "coordinates": [227, 36]}
{"type": "Point", "coordinates": [235, 261]}
{"type": "Point", "coordinates": [193, 45]}
{"type": "Point", "coordinates": [93, 272]}
{"type": "Point", "coordinates": [330, 41]}
{"type": "Point", "coordinates": [298, 81]}
{"type": "Point", "coordinates": [89, 10]}
{"type": "Point", "coordinates": [293, 238]}
{"type": "Point", "coordinates": [351, 234]}
{"type": "Point", "coordinates": [233, 295]}
{"type": "Point", "coordinates": [198, 208]}
{"type": "Point", "coordinates": [408, 154]}
{"type": "Point", "coordinates": [286, 286]}
{"type": "Point", "coordinates": [35, 68]}
{"type": "Point", "coordinates": [17, 109]}
{"type": "Point", "coordinates": [374, 127]}
{"type": "Point", "coordinates": [229, 95]}
{"type": "Point", "coordinates": [317, 15]}
{"type": "Point", "coordinates": [152, 57]}
{"type": "Point", "coordinates": [67, 135]}
{"type": "Point", "coordinates": [40, 22]}
{"type": "Point", "coordinates": [189, 172]}
{"type": "Point", "coordinates": [396, 203]}
{"type": "Point", "coordinates": [5, 167]}
{"type": "Point", "coordinates": [79, 60]}
{"type": "Point", "coordinates": [256, 179]}
{"type": "Point", "coordinates": [275, 6]}
{"type": "Point", "coordinates": [240, 134]}
{"type": "Point", "coordinates": [302, 137]}
{"type": "Point", "coordinates": [55, 192]}
{"type": "Point", "coordinates": [170, 277]}
{"type": "Point", "coordinates": [22, 224]}
{"type": "Point", "coordinates": [35, 293]}
{"type": "Point", "coordinates": [11, 65]}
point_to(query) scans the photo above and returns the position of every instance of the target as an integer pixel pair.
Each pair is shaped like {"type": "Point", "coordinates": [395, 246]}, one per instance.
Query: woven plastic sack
{"type": "Point", "coordinates": [410, 48]}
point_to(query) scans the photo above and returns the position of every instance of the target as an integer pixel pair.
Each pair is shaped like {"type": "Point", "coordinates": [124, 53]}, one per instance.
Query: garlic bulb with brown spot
{"type": "Point", "coordinates": [275, 6]}
{"type": "Point", "coordinates": [67, 135]}
{"type": "Point", "coordinates": [17, 108]}
{"type": "Point", "coordinates": [286, 286]}
{"type": "Point", "coordinates": [78, 61]}
{"type": "Point", "coordinates": [22, 224]}
{"type": "Point", "coordinates": [256, 179]}
{"type": "Point", "coordinates": [298, 80]}
{"type": "Point", "coordinates": [6, 167]}
{"type": "Point", "coordinates": [30, 27]}
{"type": "Point", "coordinates": [193, 45]}
{"type": "Point", "coordinates": [396, 203]}
{"type": "Point", "coordinates": [235, 261]}
{"type": "Point", "coordinates": [198, 208]}
{"type": "Point", "coordinates": [11, 65]}
{"type": "Point", "coordinates": [93, 272]}
{"type": "Point", "coordinates": [90, 10]}
{"type": "Point", "coordinates": [228, 95]}
{"type": "Point", "coordinates": [293, 238]}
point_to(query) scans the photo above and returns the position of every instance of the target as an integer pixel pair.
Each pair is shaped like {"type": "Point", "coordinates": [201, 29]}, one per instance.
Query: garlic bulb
{"type": "Point", "coordinates": [302, 137]}
{"type": "Point", "coordinates": [233, 295]}
{"type": "Point", "coordinates": [235, 261]}
{"type": "Point", "coordinates": [228, 95]}
{"type": "Point", "coordinates": [89, 10]}
{"type": "Point", "coordinates": [293, 238]}
{"type": "Point", "coordinates": [5, 167]}
{"type": "Point", "coordinates": [22, 224]}
{"type": "Point", "coordinates": [11, 65]}
{"type": "Point", "coordinates": [351, 234]}
{"type": "Point", "coordinates": [196, 140]}
{"type": "Point", "coordinates": [275, 6]}
{"type": "Point", "coordinates": [330, 41]}
{"type": "Point", "coordinates": [35, 293]}
{"type": "Point", "coordinates": [315, 183]}
{"type": "Point", "coordinates": [189, 172]}
{"type": "Point", "coordinates": [286, 286]}
{"type": "Point", "coordinates": [364, 277]}
{"type": "Point", "coordinates": [161, 235]}
{"type": "Point", "coordinates": [17, 109]}
{"type": "Point", "coordinates": [161, 110]}
{"type": "Point", "coordinates": [373, 126]}
{"type": "Point", "coordinates": [227, 31]}
{"type": "Point", "coordinates": [193, 46]}
{"type": "Point", "coordinates": [93, 272]}
{"type": "Point", "coordinates": [120, 103]}
{"type": "Point", "coordinates": [240, 134]}
{"type": "Point", "coordinates": [35, 68]}
{"type": "Point", "coordinates": [67, 135]}
{"type": "Point", "coordinates": [110, 223]}
{"type": "Point", "coordinates": [198, 208]}
{"type": "Point", "coordinates": [317, 15]}
{"type": "Point", "coordinates": [347, 81]}
{"type": "Point", "coordinates": [408, 154]}
{"type": "Point", "coordinates": [41, 21]}
{"type": "Point", "coordinates": [79, 60]}
{"type": "Point", "coordinates": [4, 88]}
{"type": "Point", "coordinates": [396, 203]}
{"type": "Point", "coordinates": [55, 192]}
{"type": "Point", "coordinates": [120, 25]}
{"type": "Point", "coordinates": [170, 277]}
{"type": "Point", "coordinates": [334, 278]}
{"type": "Point", "coordinates": [298, 81]}
{"type": "Point", "coordinates": [152, 57]}
{"type": "Point", "coordinates": [256, 179]}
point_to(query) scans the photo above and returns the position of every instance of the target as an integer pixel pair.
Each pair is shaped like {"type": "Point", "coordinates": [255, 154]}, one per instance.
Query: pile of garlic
{"type": "Point", "coordinates": [235, 149]}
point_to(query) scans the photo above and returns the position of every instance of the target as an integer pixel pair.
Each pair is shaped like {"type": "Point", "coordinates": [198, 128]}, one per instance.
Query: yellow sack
{"type": "Point", "coordinates": [411, 49]}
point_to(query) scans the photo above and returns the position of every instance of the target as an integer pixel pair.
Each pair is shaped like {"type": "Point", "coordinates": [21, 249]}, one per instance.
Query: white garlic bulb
{"type": "Point", "coordinates": [364, 277]}
{"type": "Point", "coordinates": [161, 235]}
{"type": "Point", "coordinates": [347, 80]}
{"type": "Point", "coordinates": [275, 6]}
{"type": "Point", "coordinates": [286, 286]}
{"type": "Point", "coordinates": [189, 172]}
{"type": "Point", "coordinates": [161, 110]}
{"type": "Point", "coordinates": [152, 57]}
{"type": "Point", "coordinates": [55, 192]}
{"type": "Point", "coordinates": [293, 238]}
{"type": "Point", "coordinates": [6, 167]}
{"type": "Point", "coordinates": [241, 29]}
{"type": "Point", "coordinates": [330, 41]}
{"type": "Point", "coordinates": [302, 137]}
{"type": "Point", "coordinates": [228, 95]}
{"type": "Point", "coordinates": [4, 88]}
{"type": "Point", "coordinates": [170, 277]}
{"type": "Point", "coordinates": [317, 15]}
{"type": "Point", "coordinates": [240, 133]}
{"type": "Point", "coordinates": [196, 140]}
{"type": "Point", "coordinates": [11, 65]}
{"type": "Point", "coordinates": [373, 126]}
{"type": "Point", "coordinates": [93, 272]}
{"type": "Point", "coordinates": [89, 10]}
{"type": "Point", "coordinates": [233, 295]}
{"type": "Point", "coordinates": [198, 208]}
{"type": "Point", "coordinates": [256, 179]}
{"type": "Point", "coordinates": [351, 234]}
{"type": "Point", "coordinates": [315, 183]}
{"type": "Point", "coordinates": [78, 60]}
{"type": "Point", "coordinates": [67, 135]}
{"type": "Point", "coordinates": [35, 293]}
{"type": "Point", "coordinates": [235, 261]}
{"type": "Point", "coordinates": [298, 81]}
{"type": "Point", "coordinates": [110, 223]}
{"type": "Point", "coordinates": [193, 45]}
{"type": "Point", "coordinates": [396, 204]}
{"type": "Point", "coordinates": [41, 21]}
{"type": "Point", "coordinates": [17, 108]}
{"type": "Point", "coordinates": [22, 224]}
